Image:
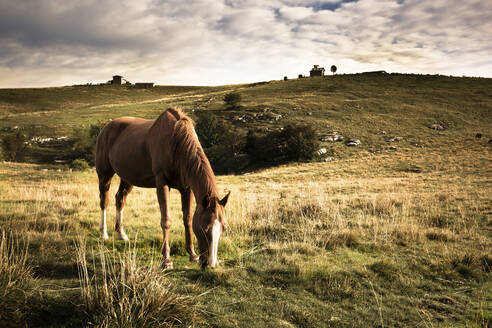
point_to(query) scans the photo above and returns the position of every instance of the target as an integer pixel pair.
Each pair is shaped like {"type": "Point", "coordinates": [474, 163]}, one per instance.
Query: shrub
{"type": "Point", "coordinates": [220, 143]}
{"type": "Point", "coordinates": [209, 129]}
{"type": "Point", "coordinates": [301, 142]}
{"type": "Point", "coordinates": [14, 145]}
{"type": "Point", "coordinates": [293, 143]}
{"type": "Point", "coordinates": [84, 142]}
{"type": "Point", "coordinates": [232, 100]}
{"type": "Point", "coordinates": [79, 165]}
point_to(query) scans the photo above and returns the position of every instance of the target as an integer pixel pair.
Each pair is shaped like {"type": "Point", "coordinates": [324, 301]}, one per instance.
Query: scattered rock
{"type": "Point", "coordinates": [395, 139]}
{"type": "Point", "coordinates": [41, 140]}
{"type": "Point", "coordinates": [478, 136]}
{"type": "Point", "coordinates": [392, 148]}
{"type": "Point", "coordinates": [321, 151]}
{"type": "Point", "coordinates": [352, 142]}
{"type": "Point", "coordinates": [490, 141]}
{"type": "Point", "coordinates": [329, 159]}
{"type": "Point", "coordinates": [382, 132]}
{"type": "Point", "coordinates": [266, 116]}
{"type": "Point", "coordinates": [437, 127]}
{"type": "Point", "coordinates": [332, 136]}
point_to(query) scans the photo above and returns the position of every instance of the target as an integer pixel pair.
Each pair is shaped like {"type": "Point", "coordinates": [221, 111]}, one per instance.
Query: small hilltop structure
{"type": "Point", "coordinates": [317, 71]}
{"type": "Point", "coordinates": [119, 80]}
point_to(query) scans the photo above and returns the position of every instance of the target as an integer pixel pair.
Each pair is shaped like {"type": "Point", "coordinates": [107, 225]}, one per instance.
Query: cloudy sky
{"type": "Point", "coordinates": [214, 42]}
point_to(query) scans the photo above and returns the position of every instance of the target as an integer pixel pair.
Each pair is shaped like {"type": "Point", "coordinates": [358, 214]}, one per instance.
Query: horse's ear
{"type": "Point", "coordinates": [224, 200]}
{"type": "Point", "coordinates": [206, 201]}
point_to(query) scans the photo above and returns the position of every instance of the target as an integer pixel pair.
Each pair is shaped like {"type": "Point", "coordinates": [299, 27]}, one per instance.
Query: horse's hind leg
{"type": "Point", "coordinates": [123, 191]}
{"type": "Point", "coordinates": [104, 184]}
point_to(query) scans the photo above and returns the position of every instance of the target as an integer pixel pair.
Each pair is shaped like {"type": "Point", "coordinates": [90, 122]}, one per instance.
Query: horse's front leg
{"type": "Point", "coordinates": [163, 198]}
{"type": "Point", "coordinates": [186, 207]}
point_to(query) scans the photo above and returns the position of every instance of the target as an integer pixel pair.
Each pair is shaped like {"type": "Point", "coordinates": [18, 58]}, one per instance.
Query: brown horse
{"type": "Point", "coordinates": [164, 153]}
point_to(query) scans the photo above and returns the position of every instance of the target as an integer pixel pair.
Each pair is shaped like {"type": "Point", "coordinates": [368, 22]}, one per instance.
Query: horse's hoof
{"type": "Point", "coordinates": [122, 236]}
{"type": "Point", "coordinates": [104, 236]}
{"type": "Point", "coordinates": [167, 264]}
{"type": "Point", "coordinates": [194, 258]}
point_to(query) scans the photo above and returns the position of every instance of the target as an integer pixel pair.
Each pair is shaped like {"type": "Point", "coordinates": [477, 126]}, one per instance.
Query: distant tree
{"type": "Point", "coordinates": [333, 69]}
{"type": "Point", "coordinates": [293, 143]}
{"type": "Point", "coordinates": [220, 141]}
{"type": "Point", "coordinates": [209, 129]}
{"type": "Point", "coordinates": [84, 142]}
{"type": "Point", "coordinates": [232, 100]}
{"type": "Point", "coordinates": [14, 145]}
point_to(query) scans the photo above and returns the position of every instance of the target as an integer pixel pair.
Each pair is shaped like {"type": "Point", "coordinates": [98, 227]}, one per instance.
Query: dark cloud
{"type": "Point", "coordinates": [168, 41]}
{"type": "Point", "coordinates": [330, 5]}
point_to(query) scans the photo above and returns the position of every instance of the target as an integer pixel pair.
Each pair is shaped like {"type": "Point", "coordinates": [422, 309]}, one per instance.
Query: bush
{"type": "Point", "coordinates": [14, 146]}
{"type": "Point", "coordinates": [232, 100]}
{"type": "Point", "coordinates": [84, 142]}
{"type": "Point", "coordinates": [79, 165]}
{"type": "Point", "coordinates": [219, 141]}
{"type": "Point", "coordinates": [293, 143]}
{"type": "Point", "coordinates": [301, 142]}
{"type": "Point", "coordinates": [209, 129]}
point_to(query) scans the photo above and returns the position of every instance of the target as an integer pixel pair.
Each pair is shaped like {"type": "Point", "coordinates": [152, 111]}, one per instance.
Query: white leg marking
{"type": "Point", "coordinates": [214, 245]}
{"type": "Point", "coordinates": [119, 223]}
{"type": "Point", "coordinates": [103, 228]}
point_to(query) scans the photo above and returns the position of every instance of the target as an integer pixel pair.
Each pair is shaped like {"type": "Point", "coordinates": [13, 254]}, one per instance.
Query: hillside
{"type": "Point", "coordinates": [356, 106]}
{"type": "Point", "coordinates": [393, 233]}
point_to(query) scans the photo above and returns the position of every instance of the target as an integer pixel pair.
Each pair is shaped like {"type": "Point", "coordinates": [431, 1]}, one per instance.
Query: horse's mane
{"type": "Point", "coordinates": [188, 155]}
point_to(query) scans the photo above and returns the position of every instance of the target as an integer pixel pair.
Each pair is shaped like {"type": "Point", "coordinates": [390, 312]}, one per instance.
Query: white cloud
{"type": "Point", "coordinates": [54, 42]}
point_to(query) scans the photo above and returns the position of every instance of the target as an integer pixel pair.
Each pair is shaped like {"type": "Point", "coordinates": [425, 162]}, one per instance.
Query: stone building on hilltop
{"type": "Point", "coordinates": [118, 80]}
{"type": "Point", "coordinates": [317, 71]}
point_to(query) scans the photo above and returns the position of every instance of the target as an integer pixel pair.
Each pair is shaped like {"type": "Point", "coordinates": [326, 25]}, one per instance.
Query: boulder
{"type": "Point", "coordinates": [331, 136]}
{"type": "Point", "coordinates": [437, 127]}
{"type": "Point", "coordinates": [352, 142]}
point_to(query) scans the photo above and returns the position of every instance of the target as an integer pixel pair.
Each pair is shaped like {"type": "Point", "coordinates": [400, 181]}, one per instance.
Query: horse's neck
{"type": "Point", "coordinates": [202, 183]}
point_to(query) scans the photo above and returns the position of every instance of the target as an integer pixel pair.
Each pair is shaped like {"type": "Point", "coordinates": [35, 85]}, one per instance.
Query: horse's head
{"type": "Point", "coordinates": [208, 225]}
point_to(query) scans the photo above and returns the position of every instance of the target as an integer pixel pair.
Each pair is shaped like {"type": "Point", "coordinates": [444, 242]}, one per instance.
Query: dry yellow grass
{"type": "Point", "coordinates": [359, 228]}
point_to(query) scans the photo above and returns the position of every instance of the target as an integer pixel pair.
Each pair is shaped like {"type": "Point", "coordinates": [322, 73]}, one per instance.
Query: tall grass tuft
{"type": "Point", "coordinates": [122, 293]}
{"type": "Point", "coordinates": [15, 271]}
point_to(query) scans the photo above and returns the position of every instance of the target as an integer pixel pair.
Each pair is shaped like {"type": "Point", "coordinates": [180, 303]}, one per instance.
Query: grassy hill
{"type": "Point", "coordinates": [357, 106]}
{"type": "Point", "coordinates": [379, 237]}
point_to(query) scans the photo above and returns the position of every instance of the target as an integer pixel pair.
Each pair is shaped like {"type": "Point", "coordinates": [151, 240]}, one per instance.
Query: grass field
{"type": "Point", "coordinates": [376, 238]}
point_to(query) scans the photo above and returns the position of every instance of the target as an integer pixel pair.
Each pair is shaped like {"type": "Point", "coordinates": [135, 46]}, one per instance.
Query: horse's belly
{"type": "Point", "coordinates": [132, 165]}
